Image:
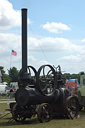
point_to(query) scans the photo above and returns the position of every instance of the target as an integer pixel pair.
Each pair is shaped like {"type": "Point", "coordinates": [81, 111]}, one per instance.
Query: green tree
{"type": "Point", "coordinates": [72, 76]}
{"type": "Point", "coordinates": [67, 75]}
{"type": "Point", "coordinates": [2, 71]}
{"type": "Point", "coordinates": [5, 77]}
{"type": "Point", "coordinates": [81, 73]}
{"type": "Point", "coordinates": [13, 74]}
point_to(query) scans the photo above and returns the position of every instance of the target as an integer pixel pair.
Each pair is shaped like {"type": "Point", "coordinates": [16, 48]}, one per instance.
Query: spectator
{"type": "Point", "coordinates": [14, 90]}
{"type": "Point", "coordinates": [11, 91]}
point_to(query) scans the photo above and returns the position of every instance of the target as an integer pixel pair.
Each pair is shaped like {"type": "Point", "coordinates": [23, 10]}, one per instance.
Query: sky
{"type": "Point", "coordinates": [56, 33]}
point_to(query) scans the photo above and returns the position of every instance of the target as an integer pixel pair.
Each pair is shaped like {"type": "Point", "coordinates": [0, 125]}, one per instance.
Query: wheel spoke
{"type": "Point", "coordinates": [44, 112]}
{"type": "Point", "coordinates": [46, 80]}
{"type": "Point", "coordinates": [17, 114]}
{"type": "Point", "coordinates": [72, 107]}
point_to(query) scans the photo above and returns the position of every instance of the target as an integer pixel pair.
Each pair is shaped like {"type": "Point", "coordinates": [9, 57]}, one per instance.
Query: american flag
{"type": "Point", "coordinates": [14, 53]}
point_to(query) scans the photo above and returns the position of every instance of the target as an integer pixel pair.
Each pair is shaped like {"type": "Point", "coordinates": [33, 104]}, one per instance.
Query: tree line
{"type": "Point", "coordinates": [12, 75]}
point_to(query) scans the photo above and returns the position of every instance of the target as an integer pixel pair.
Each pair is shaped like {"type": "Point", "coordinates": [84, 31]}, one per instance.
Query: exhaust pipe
{"type": "Point", "coordinates": [24, 76]}
{"type": "Point", "coordinates": [24, 40]}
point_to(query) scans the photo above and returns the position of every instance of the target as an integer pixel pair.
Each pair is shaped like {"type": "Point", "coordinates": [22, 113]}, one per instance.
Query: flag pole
{"type": "Point", "coordinates": [14, 53]}
{"type": "Point", "coordinates": [11, 59]}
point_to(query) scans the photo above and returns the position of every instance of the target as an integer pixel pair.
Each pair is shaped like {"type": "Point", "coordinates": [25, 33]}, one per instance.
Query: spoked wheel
{"type": "Point", "coordinates": [72, 107]}
{"type": "Point", "coordinates": [44, 112]}
{"type": "Point", "coordinates": [46, 80]}
{"type": "Point", "coordinates": [17, 114]}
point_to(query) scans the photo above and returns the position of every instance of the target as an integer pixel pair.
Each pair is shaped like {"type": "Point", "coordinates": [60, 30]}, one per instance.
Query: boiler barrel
{"type": "Point", "coordinates": [26, 96]}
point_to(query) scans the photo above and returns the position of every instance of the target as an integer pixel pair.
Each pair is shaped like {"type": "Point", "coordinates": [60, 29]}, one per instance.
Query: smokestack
{"type": "Point", "coordinates": [24, 39]}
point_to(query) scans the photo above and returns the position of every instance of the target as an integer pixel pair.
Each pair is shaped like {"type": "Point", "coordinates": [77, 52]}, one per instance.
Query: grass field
{"type": "Point", "coordinates": [34, 123]}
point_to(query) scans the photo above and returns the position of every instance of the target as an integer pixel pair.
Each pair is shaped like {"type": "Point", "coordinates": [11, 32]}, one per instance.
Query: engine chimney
{"type": "Point", "coordinates": [24, 39]}
{"type": "Point", "coordinates": [24, 76]}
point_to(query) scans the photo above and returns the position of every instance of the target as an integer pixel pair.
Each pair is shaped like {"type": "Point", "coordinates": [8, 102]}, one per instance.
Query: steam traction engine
{"type": "Point", "coordinates": [41, 92]}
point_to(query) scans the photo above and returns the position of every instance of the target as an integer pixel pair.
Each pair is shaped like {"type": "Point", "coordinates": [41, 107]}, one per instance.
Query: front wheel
{"type": "Point", "coordinates": [17, 114]}
{"type": "Point", "coordinates": [44, 112]}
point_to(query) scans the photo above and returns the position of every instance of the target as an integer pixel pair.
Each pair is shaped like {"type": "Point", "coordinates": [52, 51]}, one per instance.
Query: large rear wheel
{"type": "Point", "coordinates": [72, 107]}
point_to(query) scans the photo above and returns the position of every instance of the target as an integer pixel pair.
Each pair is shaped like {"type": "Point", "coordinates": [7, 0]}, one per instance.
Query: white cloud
{"type": "Point", "coordinates": [8, 16]}
{"type": "Point", "coordinates": [51, 44]}
{"type": "Point", "coordinates": [71, 58]}
{"type": "Point", "coordinates": [9, 41]}
{"type": "Point", "coordinates": [35, 62]}
{"type": "Point", "coordinates": [69, 64]}
{"type": "Point", "coordinates": [83, 40]}
{"type": "Point", "coordinates": [55, 27]}
{"type": "Point", "coordinates": [72, 63]}
{"type": "Point", "coordinates": [32, 59]}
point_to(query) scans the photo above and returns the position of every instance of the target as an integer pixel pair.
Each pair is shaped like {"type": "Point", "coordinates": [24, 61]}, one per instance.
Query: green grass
{"type": "Point", "coordinates": [3, 98]}
{"type": "Point", "coordinates": [34, 123]}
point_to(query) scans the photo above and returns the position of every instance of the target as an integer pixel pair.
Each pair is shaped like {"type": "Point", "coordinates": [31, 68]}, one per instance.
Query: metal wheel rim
{"type": "Point", "coordinates": [72, 107]}
{"type": "Point", "coordinates": [44, 113]}
{"type": "Point", "coordinates": [18, 117]}
{"type": "Point", "coordinates": [46, 83]}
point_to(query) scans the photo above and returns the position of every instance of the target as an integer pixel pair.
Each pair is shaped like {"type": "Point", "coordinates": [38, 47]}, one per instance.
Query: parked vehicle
{"type": "Point", "coordinates": [14, 86]}
{"type": "Point", "coordinates": [72, 85]}
{"type": "Point", "coordinates": [81, 91]}
{"type": "Point", "coordinates": [4, 89]}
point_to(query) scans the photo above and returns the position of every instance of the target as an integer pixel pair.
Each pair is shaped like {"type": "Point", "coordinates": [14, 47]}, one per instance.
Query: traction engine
{"type": "Point", "coordinates": [43, 92]}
